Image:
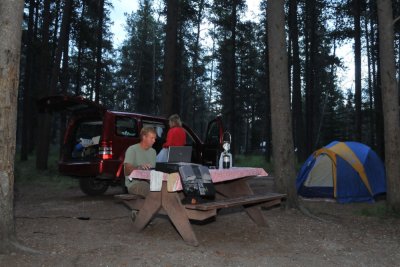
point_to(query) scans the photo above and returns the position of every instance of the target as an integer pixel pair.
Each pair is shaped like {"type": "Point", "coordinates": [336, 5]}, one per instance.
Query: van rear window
{"type": "Point", "coordinates": [89, 129]}
{"type": "Point", "coordinates": [126, 126]}
{"type": "Point", "coordinates": [159, 127]}
{"type": "Point", "coordinates": [85, 142]}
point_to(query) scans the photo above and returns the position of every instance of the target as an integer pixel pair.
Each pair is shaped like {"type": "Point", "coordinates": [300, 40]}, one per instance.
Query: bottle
{"type": "Point", "coordinates": [226, 161]}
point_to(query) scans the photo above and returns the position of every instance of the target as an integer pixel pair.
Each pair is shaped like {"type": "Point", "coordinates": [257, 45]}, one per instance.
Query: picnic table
{"type": "Point", "coordinates": [232, 189]}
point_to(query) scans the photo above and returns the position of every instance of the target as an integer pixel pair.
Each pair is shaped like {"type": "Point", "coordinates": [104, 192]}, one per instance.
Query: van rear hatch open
{"type": "Point", "coordinates": [71, 104]}
{"type": "Point", "coordinates": [81, 141]}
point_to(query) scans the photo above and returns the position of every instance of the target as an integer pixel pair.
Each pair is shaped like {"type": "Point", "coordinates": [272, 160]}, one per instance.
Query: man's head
{"type": "Point", "coordinates": [147, 137]}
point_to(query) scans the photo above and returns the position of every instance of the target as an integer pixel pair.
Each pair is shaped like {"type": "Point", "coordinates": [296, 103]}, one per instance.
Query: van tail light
{"type": "Point", "coordinates": [105, 150]}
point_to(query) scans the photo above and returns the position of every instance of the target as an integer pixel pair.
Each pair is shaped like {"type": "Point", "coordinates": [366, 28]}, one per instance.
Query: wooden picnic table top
{"type": "Point", "coordinates": [217, 175]}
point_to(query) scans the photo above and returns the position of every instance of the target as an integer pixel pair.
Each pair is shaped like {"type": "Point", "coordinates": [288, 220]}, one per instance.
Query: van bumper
{"type": "Point", "coordinates": [106, 169]}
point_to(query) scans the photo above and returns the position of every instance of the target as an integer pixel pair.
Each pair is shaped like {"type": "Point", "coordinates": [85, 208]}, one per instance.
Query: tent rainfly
{"type": "Point", "coordinates": [346, 171]}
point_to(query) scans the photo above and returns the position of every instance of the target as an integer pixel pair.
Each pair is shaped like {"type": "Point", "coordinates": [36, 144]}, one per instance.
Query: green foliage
{"type": "Point", "coordinates": [84, 38]}
{"type": "Point", "coordinates": [258, 161]}
{"type": "Point", "coordinates": [252, 161]}
{"type": "Point", "coordinates": [139, 69]}
{"type": "Point", "coordinates": [25, 172]}
{"type": "Point", "coordinates": [379, 210]}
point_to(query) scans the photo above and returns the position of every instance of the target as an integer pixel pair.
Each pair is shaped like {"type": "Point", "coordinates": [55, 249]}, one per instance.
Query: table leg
{"type": "Point", "coordinates": [177, 214]}
{"type": "Point", "coordinates": [237, 188]}
{"type": "Point", "coordinates": [151, 206]}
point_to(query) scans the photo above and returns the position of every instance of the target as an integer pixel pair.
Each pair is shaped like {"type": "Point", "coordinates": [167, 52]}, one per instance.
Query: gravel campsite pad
{"type": "Point", "coordinates": [68, 228]}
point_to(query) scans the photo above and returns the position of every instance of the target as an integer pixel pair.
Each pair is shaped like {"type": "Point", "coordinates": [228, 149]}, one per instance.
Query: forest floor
{"type": "Point", "coordinates": [68, 228]}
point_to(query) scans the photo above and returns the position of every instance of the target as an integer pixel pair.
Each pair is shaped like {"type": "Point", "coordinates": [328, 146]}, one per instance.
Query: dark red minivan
{"type": "Point", "coordinates": [96, 139]}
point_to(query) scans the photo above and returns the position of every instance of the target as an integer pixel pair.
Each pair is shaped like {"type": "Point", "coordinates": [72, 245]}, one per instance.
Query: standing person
{"type": "Point", "coordinates": [176, 136]}
{"type": "Point", "coordinates": [140, 156]}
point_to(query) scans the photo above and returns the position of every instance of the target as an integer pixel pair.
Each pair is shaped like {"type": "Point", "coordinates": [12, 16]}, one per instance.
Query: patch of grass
{"type": "Point", "coordinates": [25, 172]}
{"type": "Point", "coordinates": [258, 161]}
{"type": "Point", "coordinates": [252, 161]}
{"type": "Point", "coordinates": [379, 210]}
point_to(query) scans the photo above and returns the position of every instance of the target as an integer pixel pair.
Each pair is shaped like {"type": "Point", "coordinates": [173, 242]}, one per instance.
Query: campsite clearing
{"type": "Point", "coordinates": [71, 229]}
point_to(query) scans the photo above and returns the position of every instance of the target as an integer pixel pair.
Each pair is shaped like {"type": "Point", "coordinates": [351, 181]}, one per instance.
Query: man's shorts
{"type": "Point", "coordinates": [138, 187]}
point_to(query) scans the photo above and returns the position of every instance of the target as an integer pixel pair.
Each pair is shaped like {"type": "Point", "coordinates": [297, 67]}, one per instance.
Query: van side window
{"type": "Point", "coordinates": [160, 128]}
{"type": "Point", "coordinates": [125, 126]}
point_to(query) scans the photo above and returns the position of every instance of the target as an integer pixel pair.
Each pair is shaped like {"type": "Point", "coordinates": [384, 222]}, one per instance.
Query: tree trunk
{"type": "Point", "coordinates": [390, 97]}
{"type": "Point", "coordinates": [99, 46]}
{"type": "Point", "coordinates": [78, 77]}
{"type": "Point", "coordinates": [27, 94]}
{"type": "Point", "coordinates": [267, 124]}
{"type": "Point", "coordinates": [369, 42]}
{"type": "Point", "coordinates": [62, 43]}
{"type": "Point", "coordinates": [297, 114]}
{"type": "Point", "coordinates": [357, 67]}
{"type": "Point", "coordinates": [311, 107]}
{"type": "Point", "coordinates": [232, 80]}
{"type": "Point", "coordinates": [283, 152]}
{"type": "Point", "coordinates": [194, 72]}
{"type": "Point", "coordinates": [376, 73]}
{"type": "Point", "coordinates": [170, 55]}
{"type": "Point", "coordinates": [42, 89]}
{"type": "Point", "coordinates": [44, 140]}
{"type": "Point", "coordinates": [10, 36]}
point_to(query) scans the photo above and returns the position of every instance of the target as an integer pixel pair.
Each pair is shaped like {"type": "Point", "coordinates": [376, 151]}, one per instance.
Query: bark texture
{"type": "Point", "coordinates": [170, 55]}
{"type": "Point", "coordinates": [282, 140]}
{"type": "Point", "coordinates": [390, 100]}
{"type": "Point", "coordinates": [10, 36]}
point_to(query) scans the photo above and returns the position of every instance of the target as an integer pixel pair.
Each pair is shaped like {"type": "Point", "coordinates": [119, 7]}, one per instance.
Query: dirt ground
{"type": "Point", "coordinates": [71, 229]}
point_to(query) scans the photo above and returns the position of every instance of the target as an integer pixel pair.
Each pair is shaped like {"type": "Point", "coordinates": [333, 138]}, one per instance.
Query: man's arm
{"type": "Point", "coordinates": [128, 168]}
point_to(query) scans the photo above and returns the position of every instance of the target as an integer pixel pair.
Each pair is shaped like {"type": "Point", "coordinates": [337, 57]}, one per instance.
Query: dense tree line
{"type": "Point", "coordinates": [214, 62]}
{"type": "Point", "coordinates": [206, 57]}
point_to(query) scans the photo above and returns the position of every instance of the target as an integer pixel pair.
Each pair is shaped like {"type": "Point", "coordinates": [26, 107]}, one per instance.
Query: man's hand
{"type": "Point", "coordinates": [144, 166]}
{"type": "Point", "coordinates": [128, 168]}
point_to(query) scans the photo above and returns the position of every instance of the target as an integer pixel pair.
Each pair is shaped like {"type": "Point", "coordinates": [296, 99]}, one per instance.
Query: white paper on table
{"type": "Point", "coordinates": [156, 179]}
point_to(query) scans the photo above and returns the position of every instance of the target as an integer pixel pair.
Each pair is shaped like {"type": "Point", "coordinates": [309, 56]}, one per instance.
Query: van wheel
{"type": "Point", "coordinates": [93, 187]}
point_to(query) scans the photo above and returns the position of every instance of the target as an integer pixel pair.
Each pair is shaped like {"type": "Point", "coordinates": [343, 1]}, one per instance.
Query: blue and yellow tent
{"type": "Point", "coordinates": [347, 171]}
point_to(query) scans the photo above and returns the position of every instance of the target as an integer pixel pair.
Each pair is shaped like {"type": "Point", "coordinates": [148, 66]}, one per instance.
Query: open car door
{"type": "Point", "coordinates": [212, 147]}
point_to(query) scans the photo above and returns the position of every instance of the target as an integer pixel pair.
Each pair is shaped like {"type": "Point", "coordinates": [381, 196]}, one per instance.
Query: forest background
{"type": "Point", "coordinates": [220, 68]}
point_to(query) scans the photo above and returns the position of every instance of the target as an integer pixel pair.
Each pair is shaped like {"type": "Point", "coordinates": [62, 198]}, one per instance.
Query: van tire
{"type": "Point", "coordinates": [93, 187]}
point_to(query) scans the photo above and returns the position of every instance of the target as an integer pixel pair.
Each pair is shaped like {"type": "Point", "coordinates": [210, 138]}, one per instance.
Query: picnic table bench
{"type": "Point", "coordinates": [270, 198]}
{"type": "Point", "coordinates": [232, 191]}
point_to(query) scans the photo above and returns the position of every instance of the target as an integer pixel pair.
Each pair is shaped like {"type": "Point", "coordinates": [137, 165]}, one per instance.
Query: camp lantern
{"type": "Point", "coordinates": [225, 160]}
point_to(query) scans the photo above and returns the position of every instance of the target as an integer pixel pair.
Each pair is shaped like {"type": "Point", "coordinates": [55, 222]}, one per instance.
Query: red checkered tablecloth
{"type": "Point", "coordinates": [217, 175]}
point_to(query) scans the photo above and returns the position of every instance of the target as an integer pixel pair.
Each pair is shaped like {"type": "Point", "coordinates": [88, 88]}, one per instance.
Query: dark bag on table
{"type": "Point", "coordinates": [197, 184]}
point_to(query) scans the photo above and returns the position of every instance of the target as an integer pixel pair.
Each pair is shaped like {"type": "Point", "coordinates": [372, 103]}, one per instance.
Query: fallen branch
{"type": "Point", "coordinates": [12, 246]}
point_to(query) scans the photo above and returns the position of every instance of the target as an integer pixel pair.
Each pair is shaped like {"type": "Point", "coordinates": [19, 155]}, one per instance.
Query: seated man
{"type": "Point", "coordinates": [140, 156]}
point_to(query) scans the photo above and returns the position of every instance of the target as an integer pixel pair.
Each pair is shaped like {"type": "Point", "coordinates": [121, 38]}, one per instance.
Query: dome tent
{"type": "Point", "coordinates": [346, 171]}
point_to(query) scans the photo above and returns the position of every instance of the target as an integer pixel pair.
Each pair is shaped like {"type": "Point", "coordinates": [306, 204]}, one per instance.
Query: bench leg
{"type": "Point", "coordinates": [177, 214]}
{"type": "Point", "coordinates": [256, 215]}
{"type": "Point", "coordinates": [241, 188]}
{"type": "Point", "coordinates": [151, 206]}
